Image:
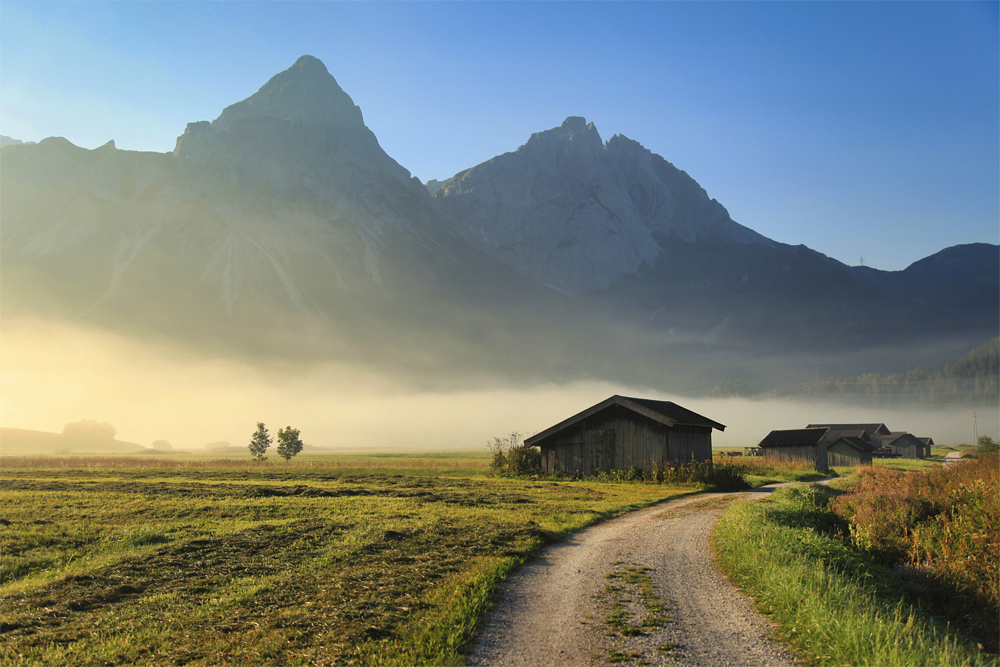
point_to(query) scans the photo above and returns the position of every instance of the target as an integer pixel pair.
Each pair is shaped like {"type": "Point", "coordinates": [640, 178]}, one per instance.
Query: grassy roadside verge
{"type": "Point", "coordinates": [254, 565]}
{"type": "Point", "coordinates": [835, 605]}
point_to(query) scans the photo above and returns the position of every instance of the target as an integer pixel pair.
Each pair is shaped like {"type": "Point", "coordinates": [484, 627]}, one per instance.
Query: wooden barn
{"type": "Point", "coordinates": [904, 444]}
{"type": "Point", "coordinates": [801, 443]}
{"type": "Point", "coordinates": [928, 443]}
{"type": "Point", "coordinates": [622, 432]}
{"type": "Point", "coordinates": [848, 451]}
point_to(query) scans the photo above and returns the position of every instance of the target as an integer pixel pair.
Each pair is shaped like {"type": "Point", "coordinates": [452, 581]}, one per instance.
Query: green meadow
{"type": "Point", "coordinates": [338, 561]}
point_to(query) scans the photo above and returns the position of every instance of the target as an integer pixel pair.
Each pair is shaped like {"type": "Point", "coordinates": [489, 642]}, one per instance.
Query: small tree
{"type": "Point", "coordinates": [987, 444]}
{"type": "Point", "coordinates": [259, 442]}
{"type": "Point", "coordinates": [289, 443]}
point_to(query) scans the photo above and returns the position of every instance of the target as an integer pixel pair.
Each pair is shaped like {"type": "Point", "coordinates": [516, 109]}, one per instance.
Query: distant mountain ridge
{"type": "Point", "coordinates": [282, 228]}
{"type": "Point", "coordinates": [573, 212]}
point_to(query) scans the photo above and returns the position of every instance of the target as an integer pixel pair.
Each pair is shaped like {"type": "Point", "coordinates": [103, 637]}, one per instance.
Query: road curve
{"type": "Point", "coordinates": [552, 611]}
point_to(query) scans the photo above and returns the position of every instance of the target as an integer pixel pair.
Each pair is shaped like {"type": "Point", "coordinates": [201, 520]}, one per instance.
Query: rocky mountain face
{"type": "Point", "coordinates": [573, 212]}
{"type": "Point", "coordinates": [282, 229]}
{"type": "Point", "coordinates": [639, 240]}
{"type": "Point", "coordinates": [281, 226]}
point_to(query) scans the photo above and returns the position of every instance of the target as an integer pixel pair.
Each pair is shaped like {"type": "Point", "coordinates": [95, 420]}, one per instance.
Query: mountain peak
{"type": "Point", "coordinates": [306, 92]}
{"type": "Point", "coordinates": [308, 62]}
{"type": "Point", "coordinates": [575, 133]}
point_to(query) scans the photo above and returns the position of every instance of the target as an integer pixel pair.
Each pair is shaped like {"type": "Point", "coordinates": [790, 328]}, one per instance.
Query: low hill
{"type": "Point", "coordinates": [20, 441]}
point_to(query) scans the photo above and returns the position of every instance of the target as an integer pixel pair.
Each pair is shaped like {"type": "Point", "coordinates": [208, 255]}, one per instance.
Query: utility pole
{"type": "Point", "coordinates": [975, 431]}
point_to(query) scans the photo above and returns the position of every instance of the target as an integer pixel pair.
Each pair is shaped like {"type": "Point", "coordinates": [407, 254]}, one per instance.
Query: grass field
{"type": "Point", "coordinates": [107, 561]}
{"type": "Point", "coordinates": [838, 602]}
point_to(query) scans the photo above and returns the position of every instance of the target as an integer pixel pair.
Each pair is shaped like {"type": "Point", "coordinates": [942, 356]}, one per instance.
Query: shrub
{"type": "Point", "coordinates": [511, 457]}
{"type": "Point", "coordinates": [722, 476]}
{"type": "Point", "coordinates": [945, 523]}
{"type": "Point", "coordinates": [987, 445]}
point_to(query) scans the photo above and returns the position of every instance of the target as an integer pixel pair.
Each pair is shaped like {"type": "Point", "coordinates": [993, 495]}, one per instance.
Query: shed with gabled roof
{"type": "Point", "coordinates": [806, 444]}
{"type": "Point", "coordinates": [904, 444]}
{"type": "Point", "coordinates": [848, 451]}
{"type": "Point", "coordinates": [928, 443]}
{"type": "Point", "coordinates": [622, 432]}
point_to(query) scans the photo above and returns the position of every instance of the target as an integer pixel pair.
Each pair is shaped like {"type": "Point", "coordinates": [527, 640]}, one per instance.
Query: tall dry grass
{"type": "Point", "coordinates": [944, 522]}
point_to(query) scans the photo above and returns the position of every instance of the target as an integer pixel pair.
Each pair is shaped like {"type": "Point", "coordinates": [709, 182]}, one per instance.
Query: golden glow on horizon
{"type": "Point", "coordinates": [53, 374]}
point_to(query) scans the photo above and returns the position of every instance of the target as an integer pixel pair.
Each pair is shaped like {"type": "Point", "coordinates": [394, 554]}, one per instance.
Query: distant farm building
{"type": "Point", "coordinates": [847, 451]}
{"type": "Point", "coordinates": [883, 441]}
{"type": "Point", "coordinates": [621, 433]}
{"type": "Point", "coordinates": [903, 444]}
{"type": "Point", "coordinates": [928, 443]}
{"type": "Point", "coordinates": [806, 444]}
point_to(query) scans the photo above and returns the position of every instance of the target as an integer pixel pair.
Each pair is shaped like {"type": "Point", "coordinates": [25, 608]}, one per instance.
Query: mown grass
{"type": "Point", "coordinates": [251, 564]}
{"type": "Point", "coordinates": [478, 460]}
{"type": "Point", "coordinates": [834, 603]}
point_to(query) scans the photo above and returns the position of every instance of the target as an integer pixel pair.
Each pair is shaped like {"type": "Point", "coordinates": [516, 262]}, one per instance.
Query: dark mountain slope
{"type": "Point", "coordinates": [961, 282]}
{"type": "Point", "coordinates": [639, 240]}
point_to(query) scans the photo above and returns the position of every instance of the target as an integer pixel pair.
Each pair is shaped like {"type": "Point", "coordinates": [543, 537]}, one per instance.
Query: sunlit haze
{"type": "Point", "coordinates": [55, 374]}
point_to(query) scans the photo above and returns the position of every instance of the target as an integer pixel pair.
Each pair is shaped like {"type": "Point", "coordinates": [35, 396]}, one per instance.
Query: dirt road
{"type": "Point", "coordinates": [650, 574]}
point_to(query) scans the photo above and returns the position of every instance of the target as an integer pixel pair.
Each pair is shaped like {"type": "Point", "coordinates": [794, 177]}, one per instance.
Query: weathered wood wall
{"type": "Point", "coordinates": [618, 439]}
{"type": "Point", "coordinates": [906, 448]}
{"type": "Point", "coordinates": [842, 455]}
{"type": "Point", "coordinates": [814, 453]}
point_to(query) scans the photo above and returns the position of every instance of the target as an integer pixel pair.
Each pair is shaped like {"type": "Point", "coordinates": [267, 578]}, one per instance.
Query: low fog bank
{"type": "Point", "coordinates": [52, 375]}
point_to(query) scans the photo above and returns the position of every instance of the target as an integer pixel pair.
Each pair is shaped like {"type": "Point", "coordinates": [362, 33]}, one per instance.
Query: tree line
{"type": "Point", "coordinates": [975, 378]}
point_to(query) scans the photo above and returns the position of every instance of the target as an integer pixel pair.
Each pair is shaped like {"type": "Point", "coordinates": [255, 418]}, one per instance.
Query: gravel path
{"type": "Point", "coordinates": [553, 611]}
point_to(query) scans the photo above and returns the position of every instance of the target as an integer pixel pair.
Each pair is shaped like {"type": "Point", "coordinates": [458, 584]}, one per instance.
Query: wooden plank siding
{"type": "Point", "coordinates": [619, 439]}
{"type": "Point", "coordinates": [906, 447]}
{"type": "Point", "coordinates": [842, 455]}
{"type": "Point", "coordinates": [813, 453]}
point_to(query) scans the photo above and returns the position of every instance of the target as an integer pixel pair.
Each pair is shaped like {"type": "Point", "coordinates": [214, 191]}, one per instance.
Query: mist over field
{"type": "Point", "coordinates": [279, 266]}
{"type": "Point", "coordinates": [54, 374]}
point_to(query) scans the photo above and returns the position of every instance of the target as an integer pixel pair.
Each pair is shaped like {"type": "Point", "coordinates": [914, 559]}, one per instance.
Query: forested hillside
{"type": "Point", "coordinates": [975, 378]}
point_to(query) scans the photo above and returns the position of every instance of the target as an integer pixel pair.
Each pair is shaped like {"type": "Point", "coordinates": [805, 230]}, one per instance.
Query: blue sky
{"type": "Point", "coordinates": [858, 129]}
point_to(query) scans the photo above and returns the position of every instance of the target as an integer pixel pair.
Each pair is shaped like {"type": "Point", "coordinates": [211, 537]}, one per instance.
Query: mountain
{"type": "Point", "coordinates": [282, 229]}
{"type": "Point", "coordinates": [638, 239]}
{"type": "Point", "coordinates": [578, 214]}
{"type": "Point", "coordinates": [9, 141]}
{"type": "Point", "coordinates": [959, 282]}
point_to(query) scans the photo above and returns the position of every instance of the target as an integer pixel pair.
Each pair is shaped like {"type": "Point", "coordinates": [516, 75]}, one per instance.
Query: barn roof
{"type": "Point", "coordinates": [832, 435]}
{"type": "Point", "coordinates": [856, 443]}
{"type": "Point", "coordinates": [900, 435]}
{"type": "Point", "coordinates": [664, 412]}
{"type": "Point", "coordinates": [874, 429]}
{"type": "Point", "coordinates": [795, 437]}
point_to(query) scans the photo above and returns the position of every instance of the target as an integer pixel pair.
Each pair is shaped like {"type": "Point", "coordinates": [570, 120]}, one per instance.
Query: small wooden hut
{"type": "Point", "coordinates": [928, 443]}
{"type": "Point", "coordinates": [623, 432]}
{"type": "Point", "coordinates": [904, 444]}
{"type": "Point", "coordinates": [849, 451]}
{"type": "Point", "coordinates": [801, 443]}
